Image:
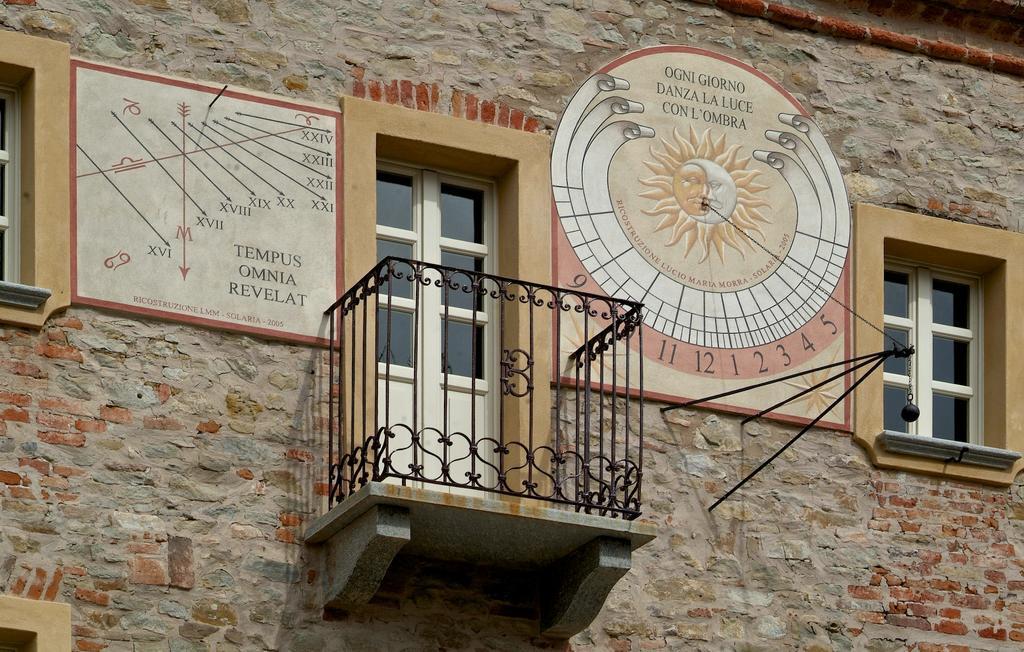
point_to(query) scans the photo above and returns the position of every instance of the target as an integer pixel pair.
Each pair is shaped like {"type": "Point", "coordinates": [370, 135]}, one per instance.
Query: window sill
{"type": "Point", "coordinates": [22, 296]}
{"type": "Point", "coordinates": [949, 451]}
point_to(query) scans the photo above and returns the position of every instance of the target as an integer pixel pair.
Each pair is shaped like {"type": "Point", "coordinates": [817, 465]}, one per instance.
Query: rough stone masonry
{"type": "Point", "coordinates": [157, 476]}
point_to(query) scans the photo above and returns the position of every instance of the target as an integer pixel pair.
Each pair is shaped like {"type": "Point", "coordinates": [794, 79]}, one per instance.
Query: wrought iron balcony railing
{"type": "Point", "coordinates": [477, 382]}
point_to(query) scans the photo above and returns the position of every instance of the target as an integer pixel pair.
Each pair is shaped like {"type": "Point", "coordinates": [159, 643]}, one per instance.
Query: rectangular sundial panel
{"type": "Point", "coordinates": [224, 214]}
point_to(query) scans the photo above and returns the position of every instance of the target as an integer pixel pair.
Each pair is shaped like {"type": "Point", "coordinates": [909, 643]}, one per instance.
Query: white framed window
{"type": "Point", "coordinates": [9, 185]}
{"type": "Point", "coordinates": [939, 313]}
{"type": "Point", "coordinates": [437, 346]}
{"type": "Point", "coordinates": [445, 220]}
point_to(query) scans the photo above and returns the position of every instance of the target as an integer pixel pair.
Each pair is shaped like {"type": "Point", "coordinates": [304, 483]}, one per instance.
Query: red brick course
{"type": "Point", "coordinates": [95, 597]}
{"type": "Point", "coordinates": [162, 423]}
{"type": "Point", "coordinates": [62, 438]}
{"type": "Point", "coordinates": [13, 398]}
{"type": "Point", "coordinates": [969, 529]}
{"type": "Point", "coordinates": [143, 570]}
{"type": "Point", "coordinates": [427, 97]}
{"type": "Point", "coordinates": [992, 25]}
{"type": "Point", "coordinates": [14, 414]}
{"type": "Point", "coordinates": [115, 414]}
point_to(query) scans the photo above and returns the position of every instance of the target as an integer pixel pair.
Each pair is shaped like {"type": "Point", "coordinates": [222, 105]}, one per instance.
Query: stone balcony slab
{"type": "Point", "coordinates": [576, 558]}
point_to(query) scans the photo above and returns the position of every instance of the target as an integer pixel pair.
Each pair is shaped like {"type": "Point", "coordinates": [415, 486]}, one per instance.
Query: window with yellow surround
{"type": "Point", "coordinates": [35, 257]}
{"type": "Point", "coordinates": [947, 289]}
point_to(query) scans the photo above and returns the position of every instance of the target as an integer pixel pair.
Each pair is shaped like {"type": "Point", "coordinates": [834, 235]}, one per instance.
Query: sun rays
{"type": "Point", "coordinates": [704, 193]}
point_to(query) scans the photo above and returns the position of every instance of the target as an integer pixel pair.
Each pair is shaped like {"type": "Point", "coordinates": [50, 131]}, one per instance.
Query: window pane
{"type": "Point", "coordinates": [459, 298]}
{"type": "Point", "coordinates": [893, 364]}
{"type": "Point", "coordinates": [897, 294]}
{"type": "Point", "coordinates": [394, 200]}
{"type": "Point", "coordinates": [894, 398]}
{"type": "Point", "coordinates": [3, 123]}
{"type": "Point", "coordinates": [399, 344]}
{"type": "Point", "coordinates": [951, 303]}
{"type": "Point", "coordinates": [3, 191]}
{"type": "Point", "coordinates": [461, 359]}
{"type": "Point", "coordinates": [3, 258]}
{"type": "Point", "coordinates": [949, 417]}
{"type": "Point", "coordinates": [949, 361]}
{"type": "Point", "coordinates": [462, 213]}
{"type": "Point", "coordinates": [385, 248]}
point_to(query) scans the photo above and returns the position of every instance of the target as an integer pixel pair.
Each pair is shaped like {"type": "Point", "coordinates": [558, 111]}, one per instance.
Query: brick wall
{"type": "Point", "coordinates": [157, 477]}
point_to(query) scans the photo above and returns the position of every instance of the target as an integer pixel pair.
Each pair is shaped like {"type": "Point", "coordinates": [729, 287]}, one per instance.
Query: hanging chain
{"type": "Point", "coordinates": [910, 379]}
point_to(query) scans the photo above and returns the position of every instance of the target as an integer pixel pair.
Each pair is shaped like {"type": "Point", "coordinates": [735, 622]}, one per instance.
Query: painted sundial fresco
{"type": "Point", "coordinates": [204, 204]}
{"type": "Point", "coordinates": [699, 186]}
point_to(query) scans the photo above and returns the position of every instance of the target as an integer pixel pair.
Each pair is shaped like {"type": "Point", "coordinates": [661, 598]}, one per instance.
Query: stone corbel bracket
{"type": "Point", "coordinates": [578, 585]}
{"type": "Point", "coordinates": [360, 555]}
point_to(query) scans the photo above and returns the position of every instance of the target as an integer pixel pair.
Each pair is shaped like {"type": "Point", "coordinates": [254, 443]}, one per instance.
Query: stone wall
{"type": "Point", "coordinates": [157, 476]}
{"type": "Point", "coordinates": [820, 552]}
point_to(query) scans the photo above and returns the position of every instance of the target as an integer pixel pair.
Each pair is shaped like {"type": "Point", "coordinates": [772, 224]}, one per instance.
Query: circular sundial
{"type": "Point", "coordinates": [695, 184]}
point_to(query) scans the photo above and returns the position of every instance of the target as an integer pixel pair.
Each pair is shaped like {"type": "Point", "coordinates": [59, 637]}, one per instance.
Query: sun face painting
{"type": "Point", "coordinates": [705, 194]}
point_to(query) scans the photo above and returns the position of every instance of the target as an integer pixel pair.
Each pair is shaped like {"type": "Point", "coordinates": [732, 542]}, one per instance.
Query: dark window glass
{"type": "Point", "coordinates": [3, 123]}
{"type": "Point", "coordinates": [897, 294]}
{"type": "Point", "coordinates": [949, 360]}
{"type": "Point", "coordinates": [397, 287]}
{"type": "Point", "coordinates": [894, 398]}
{"type": "Point", "coordinates": [893, 364]}
{"type": "Point", "coordinates": [949, 417]}
{"type": "Point", "coordinates": [399, 344]}
{"type": "Point", "coordinates": [394, 200]}
{"type": "Point", "coordinates": [462, 296]}
{"type": "Point", "coordinates": [3, 250]}
{"type": "Point", "coordinates": [461, 358]}
{"type": "Point", "coordinates": [462, 213]}
{"type": "Point", "coordinates": [951, 303]}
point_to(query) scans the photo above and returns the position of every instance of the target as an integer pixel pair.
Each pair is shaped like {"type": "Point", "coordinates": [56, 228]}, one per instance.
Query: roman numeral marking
{"type": "Point", "coordinates": [286, 202]}
{"type": "Point", "coordinates": [321, 184]}
{"type": "Point", "coordinates": [210, 223]}
{"type": "Point", "coordinates": [235, 209]}
{"type": "Point", "coordinates": [160, 252]}
{"type": "Point", "coordinates": [318, 159]}
{"type": "Point", "coordinates": [317, 137]}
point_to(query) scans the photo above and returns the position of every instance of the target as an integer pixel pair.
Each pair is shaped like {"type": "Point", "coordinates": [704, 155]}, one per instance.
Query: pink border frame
{"type": "Point", "coordinates": [845, 281]}
{"type": "Point", "coordinates": [163, 314]}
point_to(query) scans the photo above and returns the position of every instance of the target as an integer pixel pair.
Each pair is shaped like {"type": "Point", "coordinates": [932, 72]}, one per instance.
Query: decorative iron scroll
{"type": "Point", "coordinates": [595, 484]}
{"type": "Point", "coordinates": [510, 372]}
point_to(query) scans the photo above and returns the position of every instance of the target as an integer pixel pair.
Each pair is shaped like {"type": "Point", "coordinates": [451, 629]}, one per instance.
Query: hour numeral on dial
{"type": "Point", "coordinates": [781, 349]}
{"type": "Point", "coordinates": [672, 356]}
{"type": "Point", "coordinates": [762, 368]}
{"type": "Point", "coordinates": [827, 322]}
{"type": "Point", "coordinates": [808, 345]}
{"type": "Point", "coordinates": [709, 362]}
